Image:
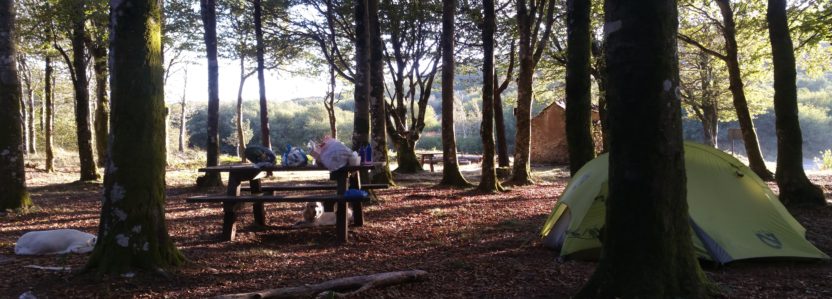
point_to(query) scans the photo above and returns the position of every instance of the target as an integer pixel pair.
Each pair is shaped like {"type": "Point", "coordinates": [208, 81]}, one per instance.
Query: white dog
{"type": "Point", "coordinates": [314, 215]}
{"type": "Point", "coordinates": [59, 241]}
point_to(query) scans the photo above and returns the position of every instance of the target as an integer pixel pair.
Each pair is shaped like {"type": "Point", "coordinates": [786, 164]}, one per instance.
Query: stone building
{"type": "Point", "coordinates": [548, 144]}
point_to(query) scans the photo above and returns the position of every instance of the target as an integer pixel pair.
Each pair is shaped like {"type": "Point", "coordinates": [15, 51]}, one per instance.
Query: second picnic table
{"type": "Point", "coordinates": [345, 177]}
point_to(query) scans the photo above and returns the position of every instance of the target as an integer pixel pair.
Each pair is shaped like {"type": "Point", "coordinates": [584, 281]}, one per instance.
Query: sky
{"type": "Point", "coordinates": [280, 86]}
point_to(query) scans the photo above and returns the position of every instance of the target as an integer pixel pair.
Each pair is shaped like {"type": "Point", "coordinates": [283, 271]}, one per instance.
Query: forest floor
{"type": "Point", "coordinates": [472, 245]}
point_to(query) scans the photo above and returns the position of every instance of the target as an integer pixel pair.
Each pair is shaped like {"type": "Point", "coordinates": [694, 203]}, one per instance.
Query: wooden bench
{"type": "Point", "coordinates": [231, 205]}
{"type": "Point", "coordinates": [311, 187]}
{"type": "Point", "coordinates": [345, 177]}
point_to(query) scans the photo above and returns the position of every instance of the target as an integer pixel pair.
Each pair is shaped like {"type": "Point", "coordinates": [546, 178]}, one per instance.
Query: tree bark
{"type": "Point", "coordinates": [329, 104]}
{"type": "Point", "coordinates": [102, 105]}
{"type": "Point", "coordinates": [647, 250]}
{"type": "Point", "coordinates": [132, 233]}
{"type": "Point", "coordinates": [48, 115]}
{"type": "Point", "coordinates": [241, 140]}
{"type": "Point", "coordinates": [378, 114]}
{"type": "Point", "coordinates": [499, 121]}
{"type": "Point", "coordinates": [529, 22]}
{"type": "Point", "coordinates": [13, 193]}
{"type": "Point", "coordinates": [82, 100]}
{"type": "Point", "coordinates": [261, 79]}
{"type": "Point", "coordinates": [208, 10]}
{"type": "Point", "coordinates": [450, 170]}
{"type": "Point", "coordinates": [29, 108]}
{"type": "Point", "coordinates": [795, 187]}
{"type": "Point", "coordinates": [749, 135]}
{"type": "Point", "coordinates": [578, 90]}
{"type": "Point", "coordinates": [599, 72]}
{"type": "Point", "coordinates": [24, 112]}
{"type": "Point", "coordinates": [361, 116]}
{"type": "Point", "coordinates": [182, 111]}
{"type": "Point", "coordinates": [488, 180]}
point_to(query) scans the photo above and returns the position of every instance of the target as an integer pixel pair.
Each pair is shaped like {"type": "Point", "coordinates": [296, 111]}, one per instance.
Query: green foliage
{"type": "Point", "coordinates": [824, 162]}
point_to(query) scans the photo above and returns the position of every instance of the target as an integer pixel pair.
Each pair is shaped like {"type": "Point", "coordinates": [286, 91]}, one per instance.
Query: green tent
{"type": "Point", "coordinates": [733, 214]}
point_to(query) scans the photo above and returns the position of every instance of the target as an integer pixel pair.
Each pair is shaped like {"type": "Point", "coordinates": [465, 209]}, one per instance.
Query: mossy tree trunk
{"type": "Point", "coordinates": [208, 10]}
{"type": "Point", "coordinates": [361, 116]}
{"type": "Point", "coordinates": [578, 90]}
{"type": "Point", "coordinates": [406, 156]}
{"type": "Point", "coordinates": [82, 98]}
{"type": "Point", "coordinates": [450, 170]}
{"type": "Point", "coordinates": [488, 181]}
{"type": "Point", "coordinates": [265, 136]}
{"type": "Point", "coordinates": [13, 193]}
{"type": "Point", "coordinates": [48, 114]}
{"type": "Point", "coordinates": [749, 135]}
{"type": "Point", "coordinates": [102, 105]}
{"type": "Point", "coordinates": [532, 16]}
{"type": "Point", "coordinates": [132, 233]}
{"type": "Point", "coordinates": [647, 250]}
{"type": "Point", "coordinates": [795, 187]}
{"type": "Point", "coordinates": [378, 115]}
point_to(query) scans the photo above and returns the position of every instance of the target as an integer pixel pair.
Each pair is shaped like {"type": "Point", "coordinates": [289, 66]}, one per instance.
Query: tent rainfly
{"type": "Point", "coordinates": [733, 214]}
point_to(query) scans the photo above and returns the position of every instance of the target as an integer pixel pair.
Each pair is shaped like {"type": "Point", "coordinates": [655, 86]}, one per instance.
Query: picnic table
{"type": "Point", "coordinates": [348, 176]}
{"type": "Point", "coordinates": [429, 157]}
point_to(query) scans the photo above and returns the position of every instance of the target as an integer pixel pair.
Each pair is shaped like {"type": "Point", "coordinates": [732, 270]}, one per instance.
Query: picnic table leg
{"type": "Point", "coordinates": [341, 224]}
{"type": "Point", "coordinates": [229, 220]}
{"type": "Point", "coordinates": [357, 209]}
{"type": "Point", "coordinates": [257, 208]}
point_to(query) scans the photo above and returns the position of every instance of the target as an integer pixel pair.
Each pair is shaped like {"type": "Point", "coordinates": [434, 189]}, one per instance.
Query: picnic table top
{"type": "Point", "coordinates": [428, 153]}
{"type": "Point", "coordinates": [252, 167]}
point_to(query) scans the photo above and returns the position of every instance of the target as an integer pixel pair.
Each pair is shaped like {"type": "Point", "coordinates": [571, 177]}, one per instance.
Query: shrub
{"type": "Point", "coordinates": [824, 162]}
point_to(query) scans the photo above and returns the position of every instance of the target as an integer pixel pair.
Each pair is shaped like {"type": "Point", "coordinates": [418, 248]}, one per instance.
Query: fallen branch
{"type": "Point", "coordinates": [349, 286]}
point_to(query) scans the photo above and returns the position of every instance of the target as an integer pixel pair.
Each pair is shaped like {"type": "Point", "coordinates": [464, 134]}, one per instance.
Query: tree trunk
{"type": "Point", "coordinates": [132, 233]}
{"type": "Point", "coordinates": [89, 171]}
{"type": "Point", "coordinates": [530, 21]}
{"type": "Point", "coordinates": [13, 193]}
{"type": "Point", "coordinates": [208, 10]}
{"type": "Point", "coordinates": [261, 79]}
{"type": "Point", "coordinates": [600, 75]}
{"type": "Point", "coordinates": [48, 115]}
{"type": "Point", "coordinates": [647, 250]}
{"type": "Point", "coordinates": [406, 157]}
{"type": "Point", "coordinates": [450, 170]}
{"type": "Point", "coordinates": [361, 116]}
{"type": "Point", "coordinates": [182, 111]}
{"type": "Point", "coordinates": [241, 140]}
{"type": "Point", "coordinates": [521, 174]}
{"type": "Point", "coordinates": [378, 115]}
{"type": "Point", "coordinates": [31, 133]}
{"type": "Point", "coordinates": [24, 116]}
{"type": "Point", "coordinates": [488, 181]}
{"type": "Point", "coordinates": [329, 104]}
{"type": "Point", "coordinates": [749, 135]}
{"type": "Point", "coordinates": [795, 187]}
{"type": "Point", "coordinates": [500, 127]}
{"type": "Point", "coordinates": [709, 114]}
{"type": "Point", "coordinates": [499, 122]}
{"type": "Point", "coordinates": [709, 124]}
{"type": "Point", "coordinates": [578, 90]}
{"type": "Point", "coordinates": [102, 105]}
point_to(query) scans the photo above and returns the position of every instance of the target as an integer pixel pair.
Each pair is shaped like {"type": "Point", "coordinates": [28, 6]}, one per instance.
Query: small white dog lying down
{"type": "Point", "coordinates": [59, 241]}
{"type": "Point", "coordinates": [314, 215]}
